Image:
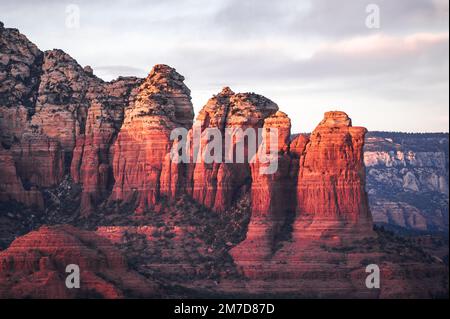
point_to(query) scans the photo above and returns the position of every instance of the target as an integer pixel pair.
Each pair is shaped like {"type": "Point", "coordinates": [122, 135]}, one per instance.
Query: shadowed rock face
{"type": "Point", "coordinates": [272, 196]}
{"type": "Point", "coordinates": [114, 140]}
{"type": "Point", "coordinates": [20, 70]}
{"type": "Point", "coordinates": [11, 187]}
{"type": "Point", "coordinates": [92, 156]}
{"type": "Point", "coordinates": [34, 266]}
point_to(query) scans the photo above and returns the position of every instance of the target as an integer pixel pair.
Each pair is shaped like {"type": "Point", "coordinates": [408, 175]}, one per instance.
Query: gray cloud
{"type": "Point", "coordinates": [344, 18]}
{"type": "Point", "coordinates": [412, 56]}
{"type": "Point", "coordinates": [330, 18]}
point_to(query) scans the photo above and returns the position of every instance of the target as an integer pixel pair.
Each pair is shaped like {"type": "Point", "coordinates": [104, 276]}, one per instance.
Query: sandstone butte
{"type": "Point", "coordinates": [58, 119]}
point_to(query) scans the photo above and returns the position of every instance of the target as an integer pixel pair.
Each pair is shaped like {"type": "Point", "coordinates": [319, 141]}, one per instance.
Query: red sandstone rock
{"type": "Point", "coordinates": [173, 176]}
{"type": "Point", "coordinates": [20, 65]}
{"type": "Point", "coordinates": [330, 203]}
{"type": "Point", "coordinates": [215, 185]}
{"type": "Point", "coordinates": [271, 194]}
{"type": "Point", "coordinates": [92, 163]}
{"type": "Point", "coordinates": [11, 187]}
{"type": "Point", "coordinates": [39, 160]}
{"type": "Point", "coordinates": [331, 199]}
{"type": "Point", "coordinates": [34, 267]}
{"type": "Point", "coordinates": [44, 105]}
{"type": "Point", "coordinates": [64, 95]}
{"type": "Point", "coordinates": [297, 145]}
{"type": "Point", "coordinates": [162, 104]}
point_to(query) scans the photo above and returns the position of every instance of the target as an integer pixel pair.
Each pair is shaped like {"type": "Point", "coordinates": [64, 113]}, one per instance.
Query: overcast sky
{"type": "Point", "coordinates": [307, 56]}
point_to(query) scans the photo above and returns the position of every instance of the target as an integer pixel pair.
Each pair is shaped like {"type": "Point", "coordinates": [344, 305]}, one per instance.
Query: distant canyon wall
{"type": "Point", "coordinates": [407, 180]}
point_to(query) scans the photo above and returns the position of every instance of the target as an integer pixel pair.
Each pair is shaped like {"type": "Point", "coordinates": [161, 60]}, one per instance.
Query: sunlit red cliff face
{"type": "Point", "coordinates": [104, 147]}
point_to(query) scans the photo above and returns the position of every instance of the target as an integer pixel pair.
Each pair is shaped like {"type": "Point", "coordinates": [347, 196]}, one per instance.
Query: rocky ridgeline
{"type": "Point", "coordinates": [50, 109]}
{"type": "Point", "coordinates": [63, 129]}
{"type": "Point", "coordinates": [114, 140]}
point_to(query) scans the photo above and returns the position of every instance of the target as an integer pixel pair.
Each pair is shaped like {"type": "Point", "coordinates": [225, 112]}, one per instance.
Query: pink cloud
{"type": "Point", "coordinates": [384, 45]}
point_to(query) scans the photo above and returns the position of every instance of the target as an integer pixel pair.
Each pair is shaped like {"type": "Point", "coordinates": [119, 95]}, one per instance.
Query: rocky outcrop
{"type": "Point", "coordinates": [217, 184]}
{"type": "Point", "coordinates": [20, 73]}
{"type": "Point", "coordinates": [92, 159]}
{"type": "Point", "coordinates": [20, 70]}
{"type": "Point", "coordinates": [11, 187]}
{"type": "Point", "coordinates": [34, 266]}
{"type": "Point", "coordinates": [114, 138]}
{"type": "Point", "coordinates": [330, 204]}
{"type": "Point", "coordinates": [64, 95]}
{"type": "Point", "coordinates": [162, 104]}
{"type": "Point", "coordinates": [46, 101]}
{"type": "Point", "coordinates": [331, 195]}
{"type": "Point", "coordinates": [272, 199]}
{"type": "Point", "coordinates": [407, 180]}
{"type": "Point", "coordinates": [323, 252]}
{"type": "Point", "coordinates": [39, 160]}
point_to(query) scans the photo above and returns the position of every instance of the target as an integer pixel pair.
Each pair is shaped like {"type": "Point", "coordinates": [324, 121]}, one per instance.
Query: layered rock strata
{"type": "Point", "coordinates": [162, 104]}
{"type": "Point", "coordinates": [50, 109]}
{"type": "Point", "coordinates": [272, 196]}
{"type": "Point", "coordinates": [317, 194]}
{"type": "Point", "coordinates": [217, 184]}
{"type": "Point", "coordinates": [331, 192]}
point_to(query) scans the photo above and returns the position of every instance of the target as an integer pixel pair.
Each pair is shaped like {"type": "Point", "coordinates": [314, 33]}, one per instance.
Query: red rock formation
{"type": "Point", "coordinates": [64, 95]}
{"type": "Point", "coordinates": [91, 163]}
{"type": "Point", "coordinates": [297, 145]}
{"type": "Point", "coordinates": [331, 199]}
{"type": "Point", "coordinates": [216, 185]}
{"type": "Point", "coordinates": [162, 104]}
{"type": "Point", "coordinates": [173, 176]}
{"type": "Point", "coordinates": [11, 187]}
{"type": "Point", "coordinates": [330, 202]}
{"type": "Point", "coordinates": [57, 117]}
{"type": "Point", "coordinates": [34, 266]}
{"type": "Point", "coordinates": [271, 194]}
{"type": "Point", "coordinates": [44, 105]}
{"type": "Point", "coordinates": [39, 160]}
{"type": "Point", "coordinates": [20, 67]}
